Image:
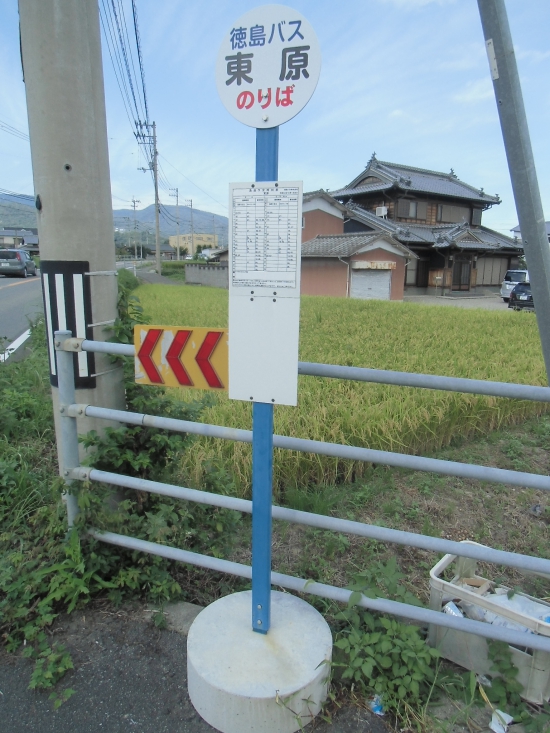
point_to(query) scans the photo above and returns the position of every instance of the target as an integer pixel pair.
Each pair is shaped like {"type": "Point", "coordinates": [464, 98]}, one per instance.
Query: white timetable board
{"type": "Point", "coordinates": [265, 237]}
{"type": "Point", "coordinates": [264, 290]}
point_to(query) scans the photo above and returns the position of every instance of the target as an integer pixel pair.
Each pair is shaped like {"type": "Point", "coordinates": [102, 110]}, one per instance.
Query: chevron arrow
{"type": "Point", "coordinates": [173, 357]}
{"type": "Point", "coordinates": [144, 355]}
{"type": "Point", "coordinates": [206, 350]}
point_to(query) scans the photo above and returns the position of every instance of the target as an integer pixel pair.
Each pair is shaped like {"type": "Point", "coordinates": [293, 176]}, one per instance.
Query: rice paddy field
{"type": "Point", "coordinates": [479, 344]}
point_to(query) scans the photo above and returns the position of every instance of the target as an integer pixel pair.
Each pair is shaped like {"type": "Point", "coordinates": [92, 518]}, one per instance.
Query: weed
{"type": "Point", "coordinates": [379, 655]}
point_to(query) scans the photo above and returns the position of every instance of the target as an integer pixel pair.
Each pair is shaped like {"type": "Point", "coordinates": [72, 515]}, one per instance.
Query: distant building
{"type": "Point", "coordinates": [18, 237]}
{"type": "Point", "coordinates": [517, 230]}
{"type": "Point", "coordinates": [192, 241]}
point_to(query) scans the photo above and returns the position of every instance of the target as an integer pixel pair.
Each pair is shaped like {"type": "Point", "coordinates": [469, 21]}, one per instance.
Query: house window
{"type": "Point", "coordinates": [407, 209]}
{"type": "Point", "coordinates": [448, 214]}
{"type": "Point", "coordinates": [476, 217]}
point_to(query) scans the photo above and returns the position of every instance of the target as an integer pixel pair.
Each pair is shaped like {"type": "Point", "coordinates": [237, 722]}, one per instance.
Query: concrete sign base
{"type": "Point", "coordinates": [243, 682]}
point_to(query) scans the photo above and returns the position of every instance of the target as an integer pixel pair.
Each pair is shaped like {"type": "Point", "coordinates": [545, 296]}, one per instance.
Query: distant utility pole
{"type": "Point", "coordinates": [214, 229]}
{"type": "Point", "coordinates": [189, 203]}
{"type": "Point", "coordinates": [145, 139]}
{"type": "Point", "coordinates": [176, 195]}
{"type": "Point", "coordinates": [61, 54]}
{"type": "Point", "coordinates": [135, 202]}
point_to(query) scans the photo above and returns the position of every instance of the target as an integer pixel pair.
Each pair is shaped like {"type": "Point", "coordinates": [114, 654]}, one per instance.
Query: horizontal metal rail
{"type": "Point", "coordinates": [300, 585]}
{"type": "Point", "coordinates": [333, 524]}
{"type": "Point", "coordinates": [347, 452]}
{"type": "Point", "coordinates": [427, 381]}
{"type": "Point", "coordinates": [107, 347]}
{"type": "Point", "coordinates": [382, 376]}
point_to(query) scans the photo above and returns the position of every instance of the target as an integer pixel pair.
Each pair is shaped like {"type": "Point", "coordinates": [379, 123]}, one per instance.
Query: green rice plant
{"type": "Point", "coordinates": [471, 343]}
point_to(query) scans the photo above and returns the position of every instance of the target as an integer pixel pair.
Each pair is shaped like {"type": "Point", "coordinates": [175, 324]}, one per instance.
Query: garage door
{"type": "Point", "coordinates": [370, 284]}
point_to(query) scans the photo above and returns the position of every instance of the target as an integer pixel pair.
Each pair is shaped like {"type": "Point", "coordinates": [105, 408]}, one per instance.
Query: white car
{"type": "Point", "coordinates": [511, 279]}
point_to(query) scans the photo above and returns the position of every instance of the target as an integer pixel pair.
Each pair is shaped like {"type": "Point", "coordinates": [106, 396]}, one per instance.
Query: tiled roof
{"type": "Point", "coordinates": [517, 229]}
{"type": "Point", "coordinates": [442, 235]}
{"type": "Point", "coordinates": [344, 245]}
{"type": "Point", "coordinates": [311, 195]}
{"type": "Point", "coordinates": [418, 180]}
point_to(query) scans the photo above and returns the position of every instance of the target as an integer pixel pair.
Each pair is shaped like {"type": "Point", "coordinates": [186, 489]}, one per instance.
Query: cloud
{"type": "Point", "coordinates": [474, 92]}
{"type": "Point", "coordinates": [532, 55]}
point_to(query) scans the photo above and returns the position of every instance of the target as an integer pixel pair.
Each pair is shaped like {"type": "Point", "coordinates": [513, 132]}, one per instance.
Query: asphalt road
{"type": "Point", "coordinates": [20, 300]}
{"type": "Point", "coordinates": [127, 676]}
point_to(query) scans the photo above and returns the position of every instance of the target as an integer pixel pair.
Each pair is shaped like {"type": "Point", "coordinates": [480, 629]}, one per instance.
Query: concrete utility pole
{"type": "Point", "coordinates": [189, 203]}
{"type": "Point", "coordinates": [135, 202]}
{"type": "Point", "coordinates": [517, 143]}
{"type": "Point", "coordinates": [176, 195]}
{"type": "Point", "coordinates": [62, 66]}
{"type": "Point", "coordinates": [145, 139]}
{"type": "Point", "coordinates": [156, 177]}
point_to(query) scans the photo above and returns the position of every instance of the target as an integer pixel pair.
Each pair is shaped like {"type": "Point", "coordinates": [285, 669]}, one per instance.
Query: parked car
{"type": "Point", "coordinates": [511, 279]}
{"type": "Point", "coordinates": [521, 298]}
{"type": "Point", "coordinates": [16, 263]}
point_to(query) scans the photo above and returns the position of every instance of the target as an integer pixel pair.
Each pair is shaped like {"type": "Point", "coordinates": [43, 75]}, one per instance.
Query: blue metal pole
{"type": "Point", "coordinates": [267, 165]}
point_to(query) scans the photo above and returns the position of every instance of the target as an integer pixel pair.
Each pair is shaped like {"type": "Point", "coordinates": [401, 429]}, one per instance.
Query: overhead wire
{"type": "Point", "coordinates": [192, 182]}
{"type": "Point", "coordinates": [13, 130]}
{"type": "Point", "coordinates": [16, 195]}
{"type": "Point", "coordinates": [114, 54]}
{"type": "Point", "coordinates": [132, 86]}
{"type": "Point", "coordinates": [140, 58]}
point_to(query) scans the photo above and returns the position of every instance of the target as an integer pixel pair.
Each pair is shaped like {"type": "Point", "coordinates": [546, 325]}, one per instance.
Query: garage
{"type": "Point", "coordinates": [367, 284]}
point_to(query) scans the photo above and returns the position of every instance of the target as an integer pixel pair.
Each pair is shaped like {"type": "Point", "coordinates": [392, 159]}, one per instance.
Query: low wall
{"type": "Point", "coordinates": [214, 276]}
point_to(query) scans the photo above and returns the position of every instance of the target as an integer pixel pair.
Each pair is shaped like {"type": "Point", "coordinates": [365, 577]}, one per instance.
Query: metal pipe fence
{"type": "Point", "coordinates": [341, 595]}
{"type": "Point", "coordinates": [72, 471]}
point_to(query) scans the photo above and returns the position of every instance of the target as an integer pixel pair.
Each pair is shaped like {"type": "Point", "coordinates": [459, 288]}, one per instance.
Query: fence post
{"type": "Point", "coordinates": [68, 447]}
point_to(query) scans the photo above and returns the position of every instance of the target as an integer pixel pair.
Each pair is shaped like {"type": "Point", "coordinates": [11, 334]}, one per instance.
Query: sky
{"type": "Point", "coordinates": [407, 79]}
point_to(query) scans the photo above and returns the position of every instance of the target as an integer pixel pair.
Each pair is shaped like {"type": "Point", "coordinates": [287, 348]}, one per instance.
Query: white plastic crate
{"type": "Point", "coordinates": [471, 651]}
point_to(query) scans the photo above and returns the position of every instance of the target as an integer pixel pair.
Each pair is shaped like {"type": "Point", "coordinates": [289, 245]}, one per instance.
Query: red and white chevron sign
{"type": "Point", "coordinates": [172, 356]}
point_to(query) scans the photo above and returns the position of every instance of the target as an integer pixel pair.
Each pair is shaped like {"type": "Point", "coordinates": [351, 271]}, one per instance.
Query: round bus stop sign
{"type": "Point", "coordinates": [268, 66]}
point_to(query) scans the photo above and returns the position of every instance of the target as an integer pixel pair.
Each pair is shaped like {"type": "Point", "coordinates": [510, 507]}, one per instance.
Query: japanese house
{"type": "Point", "coordinates": [437, 217]}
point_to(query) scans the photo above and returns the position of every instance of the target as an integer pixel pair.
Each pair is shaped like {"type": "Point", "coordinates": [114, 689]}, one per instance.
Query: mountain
{"type": "Point", "coordinates": [16, 213]}
{"type": "Point", "coordinates": [204, 222]}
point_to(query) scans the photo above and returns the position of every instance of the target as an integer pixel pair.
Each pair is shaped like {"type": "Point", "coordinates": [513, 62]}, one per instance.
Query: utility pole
{"type": "Point", "coordinates": [214, 230]}
{"type": "Point", "coordinates": [146, 139]}
{"type": "Point", "coordinates": [134, 204]}
{"type": "Point", "coordinates": [517, 143]}
{"type": "Point", "coordinates": [156, 177]}
{"type": "Point", "coordinates": [61, 55]}
{"type": "Point", "coordinates": [176, 195]}
{"type": "Point", "coordinates": [189, 202]}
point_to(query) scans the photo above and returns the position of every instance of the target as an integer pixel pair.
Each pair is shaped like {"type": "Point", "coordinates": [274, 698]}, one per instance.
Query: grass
{"type": "Point", "coordinates": [477, 344]}
{"type": "Point", "coordinates": [174, 269]}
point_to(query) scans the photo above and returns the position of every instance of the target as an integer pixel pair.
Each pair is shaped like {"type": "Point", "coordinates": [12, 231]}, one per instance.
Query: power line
{"type": "Point", "coordinates": [13, 131]}
{"type": "Point", "coordinates": [140, 58]}
{"type": "Point", "coordinates": [17, 195]}
{"type": "Point", "coordinates": [112, 47]}
{"type": "Point", "coordinates": [192, 182]}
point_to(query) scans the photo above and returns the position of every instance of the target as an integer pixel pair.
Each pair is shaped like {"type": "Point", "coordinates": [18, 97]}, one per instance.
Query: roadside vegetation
{"type": "Point", "coordinates": [382, 335]}
{"type": "Point", "coordinates": [45, 571]}
{"type": "Point", "coordinates": [174, 269]}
